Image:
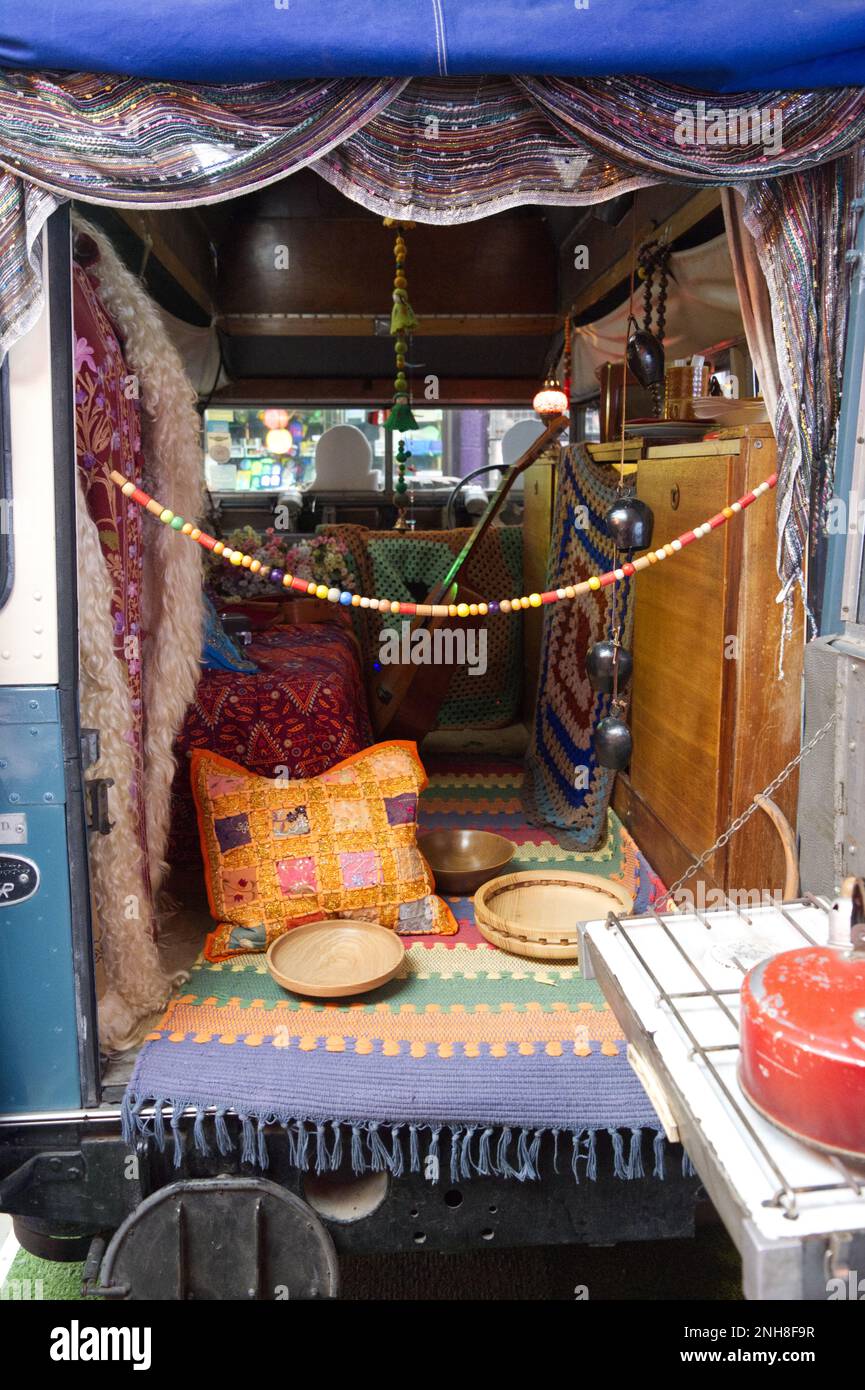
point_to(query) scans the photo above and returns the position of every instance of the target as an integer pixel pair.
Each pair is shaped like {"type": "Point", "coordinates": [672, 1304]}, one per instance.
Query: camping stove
{"type": "Point", "coordinates": [673, 980]}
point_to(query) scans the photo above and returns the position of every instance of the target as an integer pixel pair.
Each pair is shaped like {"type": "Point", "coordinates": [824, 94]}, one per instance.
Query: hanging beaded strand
{"type": "Point", "coordinates": [453, 610]}
{"type": "Point", "coordinates": [402, 325]}
{"type": "Point", "coordinates": [654, 256]}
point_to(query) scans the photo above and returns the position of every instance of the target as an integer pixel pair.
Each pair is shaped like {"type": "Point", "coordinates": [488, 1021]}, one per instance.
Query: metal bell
{"type": "Point", "coordinates": [630, 523]}
{"type": "Point", "coordinates": [646, 358]}
{"type": "Point", "coordinates": [601, 663]}
{"type": "Point", "coordinates": [612, 741]}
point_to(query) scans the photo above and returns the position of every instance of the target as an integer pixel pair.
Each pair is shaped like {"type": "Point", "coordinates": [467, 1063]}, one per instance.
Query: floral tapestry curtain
{"type": "Point", "coordinates": [456, 149]}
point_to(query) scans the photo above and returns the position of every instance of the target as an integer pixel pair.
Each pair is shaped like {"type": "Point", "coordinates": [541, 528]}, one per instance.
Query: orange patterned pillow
{"type": "Point", "coordinates": [280, 853]}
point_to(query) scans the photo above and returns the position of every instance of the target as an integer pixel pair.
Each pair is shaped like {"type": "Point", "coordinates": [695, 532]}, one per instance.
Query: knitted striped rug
{"type": "Point", "coordinates": [472, 1060]}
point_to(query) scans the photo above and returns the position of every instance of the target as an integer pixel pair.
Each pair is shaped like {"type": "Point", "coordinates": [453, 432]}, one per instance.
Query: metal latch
{"type": "Point", "coordinates": [96, 797]}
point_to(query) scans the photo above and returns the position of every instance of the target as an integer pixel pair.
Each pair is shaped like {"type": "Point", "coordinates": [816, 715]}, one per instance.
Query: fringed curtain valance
{"type": "Point", "coordinates": [456, 149]}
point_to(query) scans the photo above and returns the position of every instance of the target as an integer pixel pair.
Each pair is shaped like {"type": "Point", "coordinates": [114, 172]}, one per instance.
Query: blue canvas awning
{"type": "Point", "coordinates": [732, 46]}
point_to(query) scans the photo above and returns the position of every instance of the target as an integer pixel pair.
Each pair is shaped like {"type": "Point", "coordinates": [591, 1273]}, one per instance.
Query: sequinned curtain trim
{"type": "Point", "coordinates": [127, 143]}
{"type": "Point", "coordinates": [452, 150]}
{"type": "Point", "coordinates": [24, 209]}
{"type": "Point", "coordinates": [803, 228]}
{"type": "Point", "coordinates": [753, 295]}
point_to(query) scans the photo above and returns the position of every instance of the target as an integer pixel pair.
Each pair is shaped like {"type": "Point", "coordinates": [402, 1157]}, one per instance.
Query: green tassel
{"type": "Point", "coordinates": [402, 319]}
{"type": "Point", "coordinates": [401, 418]}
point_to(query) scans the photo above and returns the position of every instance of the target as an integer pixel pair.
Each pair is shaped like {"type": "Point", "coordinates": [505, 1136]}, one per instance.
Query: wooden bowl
{"type": "Point", "coordinates": [538, 913]}
{"type": "Point", "coordinates": [461, 860]}
{"type": "Point", "coordinates": [334, 958]}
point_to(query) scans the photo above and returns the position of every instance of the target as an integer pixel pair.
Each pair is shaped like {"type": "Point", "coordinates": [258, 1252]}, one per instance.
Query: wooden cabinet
{"type": "Point", "coordinates": [712, 721]}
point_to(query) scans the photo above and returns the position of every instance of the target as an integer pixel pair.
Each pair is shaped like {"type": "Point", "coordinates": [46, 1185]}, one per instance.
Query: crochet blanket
{"type": "Point", "coordinates": [406, 566]}
{"type": "Point", "coordinates": [564, 785]}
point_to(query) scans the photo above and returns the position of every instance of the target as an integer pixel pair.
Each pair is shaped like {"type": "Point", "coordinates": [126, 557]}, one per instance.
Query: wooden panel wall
{"type": "Point", "coordinates": [503, 265]}
{"type": "Point", "coordinates": [712, 721]}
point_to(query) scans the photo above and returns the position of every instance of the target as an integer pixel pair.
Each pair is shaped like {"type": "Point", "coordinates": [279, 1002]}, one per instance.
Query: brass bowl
{"type": "Point", "coordinates": [461, 860]}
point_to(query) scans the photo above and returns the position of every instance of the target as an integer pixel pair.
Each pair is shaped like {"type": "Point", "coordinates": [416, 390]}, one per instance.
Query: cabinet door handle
{"type": "Point", "coordinates": [675, 497]}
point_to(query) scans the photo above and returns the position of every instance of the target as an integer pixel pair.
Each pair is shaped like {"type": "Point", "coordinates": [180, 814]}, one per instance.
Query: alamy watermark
{"type": "Point", "coordinates": [701, 898]}
{"type": "Point", "coordinates": [846, 1288]}
{"type": "Point", "coordinates": [446, 646]}
{"type": "Point", "coordinates": [77, 1343]}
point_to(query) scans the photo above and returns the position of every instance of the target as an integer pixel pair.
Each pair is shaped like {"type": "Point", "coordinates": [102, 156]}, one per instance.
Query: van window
{"type": "Point", "coordinates": [267, 448]}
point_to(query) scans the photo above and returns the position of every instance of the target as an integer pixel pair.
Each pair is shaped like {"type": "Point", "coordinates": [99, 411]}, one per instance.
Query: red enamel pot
{"type": "Point", "coordinates": [803, 1045]}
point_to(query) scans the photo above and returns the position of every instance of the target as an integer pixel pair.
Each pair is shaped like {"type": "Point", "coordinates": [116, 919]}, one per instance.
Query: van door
{"type": "Point", "coordinates": [48, 1042]}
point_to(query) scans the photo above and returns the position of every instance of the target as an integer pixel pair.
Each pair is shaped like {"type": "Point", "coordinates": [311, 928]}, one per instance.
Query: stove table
{"type": "Point", "coordinates": [673, 980]}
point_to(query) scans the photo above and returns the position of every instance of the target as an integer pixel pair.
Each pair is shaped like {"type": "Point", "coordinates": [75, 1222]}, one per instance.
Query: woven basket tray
{"type": "Point", "coordinates": [538, 913]}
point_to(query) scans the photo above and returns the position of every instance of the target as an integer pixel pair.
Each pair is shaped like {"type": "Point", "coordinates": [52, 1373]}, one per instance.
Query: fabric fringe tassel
{"type": "Point", "coordinates": [378, 1147]}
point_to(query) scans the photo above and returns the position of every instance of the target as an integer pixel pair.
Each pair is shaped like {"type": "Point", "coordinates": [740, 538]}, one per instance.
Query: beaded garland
{"type": "Point", "coordinates": [437, 610]}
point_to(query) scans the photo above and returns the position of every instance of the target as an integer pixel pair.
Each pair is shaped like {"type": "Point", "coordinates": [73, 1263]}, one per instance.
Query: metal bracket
{"type": "Point", "coordinates": [41, 1169]}
{"type": "Point", "coordinates": [96, 793]}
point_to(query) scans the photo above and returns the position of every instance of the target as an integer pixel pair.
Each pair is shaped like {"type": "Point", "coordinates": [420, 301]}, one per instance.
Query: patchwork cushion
{"type": "Point", "coordinates": [280, 852]}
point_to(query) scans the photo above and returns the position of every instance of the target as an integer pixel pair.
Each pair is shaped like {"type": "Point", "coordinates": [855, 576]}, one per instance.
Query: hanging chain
{"type": "Point", "coordinates": [749, 810]}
